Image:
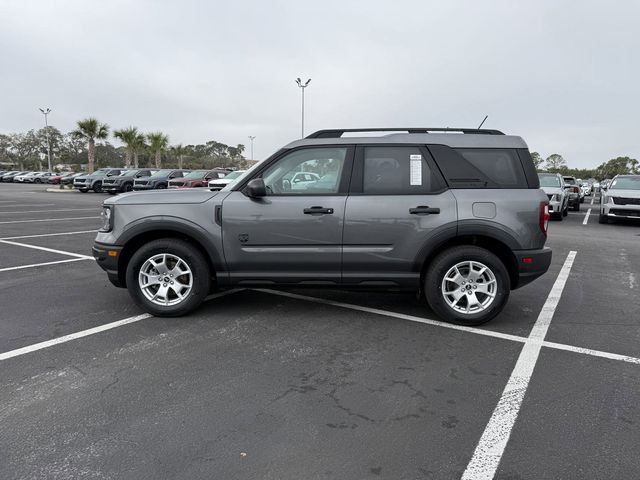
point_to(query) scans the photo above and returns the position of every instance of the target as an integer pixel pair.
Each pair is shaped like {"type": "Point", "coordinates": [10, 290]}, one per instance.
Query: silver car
{"type": "Point", "coordinates": [621, 198]}
{"type": "Point", "coordinates": [553, 185]}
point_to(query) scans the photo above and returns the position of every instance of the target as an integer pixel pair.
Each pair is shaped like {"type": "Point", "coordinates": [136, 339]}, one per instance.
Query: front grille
{"type": "Point", "coordinates": [109, 182]}
{"type": "Point", "coordinates": [141, 182]}
{"type": "Point", "coordinates": [626, 200]}
{"type": "Point", "coordinates": [176, 184]}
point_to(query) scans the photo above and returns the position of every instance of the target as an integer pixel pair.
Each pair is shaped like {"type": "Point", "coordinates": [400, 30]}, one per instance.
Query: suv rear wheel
{"type": "Point", "coordinates": [467, 285]}
{"type": "Point", "coordinates": [168, 277]}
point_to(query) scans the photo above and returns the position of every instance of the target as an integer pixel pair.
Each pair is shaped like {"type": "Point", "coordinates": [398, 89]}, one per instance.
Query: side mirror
{"type": "Point", "coordinates": [256, 188]}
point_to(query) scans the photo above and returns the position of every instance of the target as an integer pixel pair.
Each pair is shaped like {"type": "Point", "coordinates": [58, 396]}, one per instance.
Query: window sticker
{"type": "Point", "coordinates": [415, 174]}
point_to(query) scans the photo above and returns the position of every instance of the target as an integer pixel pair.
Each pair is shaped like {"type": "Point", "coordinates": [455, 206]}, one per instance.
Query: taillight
{"type": "Point", "coordinates": [544, 217]}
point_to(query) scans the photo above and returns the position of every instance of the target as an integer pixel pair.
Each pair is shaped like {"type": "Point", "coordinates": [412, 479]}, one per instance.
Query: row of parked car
{"type": "Point", "coordinates": [620, 196]}
{"type": "Point", "coordinates": [17, 176]}
{"type": "Point", "coordinates": [119, 180]}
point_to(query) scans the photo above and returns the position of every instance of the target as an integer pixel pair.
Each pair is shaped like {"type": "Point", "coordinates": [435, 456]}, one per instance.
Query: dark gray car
{"type": "Point", "coordinates": [93, 181]}
{"type": "Point", "coordinates": [159, 180]}
{"type": "Point", "coordinates": [124, 181]}
{"type": "Point", "coordinates": [459, 217]}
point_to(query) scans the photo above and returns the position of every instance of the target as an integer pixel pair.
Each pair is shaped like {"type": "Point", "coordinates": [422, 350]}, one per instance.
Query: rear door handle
{"type": "Point", "coordinates": [317, 211]}
{"type": "Point", "coordinates": [422, 210]}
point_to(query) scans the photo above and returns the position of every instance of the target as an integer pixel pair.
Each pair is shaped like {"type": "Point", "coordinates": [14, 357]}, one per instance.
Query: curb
{"type": "Point", "coordinates": [58, 190]}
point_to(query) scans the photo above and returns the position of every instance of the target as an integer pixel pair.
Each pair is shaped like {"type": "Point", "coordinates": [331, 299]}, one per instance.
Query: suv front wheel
{"type": "Point", "coordinates": [467, 285]}
{"type": "Point", "coordinates": [168, 277]}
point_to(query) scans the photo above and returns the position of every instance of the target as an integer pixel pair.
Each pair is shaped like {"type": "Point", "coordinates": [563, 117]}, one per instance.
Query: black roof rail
{"type": "Point", "coordinates": [337, 133]}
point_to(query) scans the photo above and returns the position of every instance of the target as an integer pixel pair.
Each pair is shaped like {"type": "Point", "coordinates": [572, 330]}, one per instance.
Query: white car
{"type": "Point", "coordinates": [27, 177]}
{"type": "Point", "coordinates": [220, 183]}
{"type": "Point", "coordinates": [301, 180]}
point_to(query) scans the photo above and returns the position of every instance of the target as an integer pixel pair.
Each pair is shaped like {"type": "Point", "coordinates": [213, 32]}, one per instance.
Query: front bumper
{"type": "Point", "coordinates": [105, 258]}
{"type": "Point", "coordinates": [554, 207]}
{"type": "Point", "coordinates": [531, 264]}
{"type": "Point", "coordinates": [143, 187]}
{"type": "Point", "coordinates": [614, 210]}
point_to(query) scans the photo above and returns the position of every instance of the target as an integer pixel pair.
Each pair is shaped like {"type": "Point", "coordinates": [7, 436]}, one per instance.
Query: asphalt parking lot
{"type": "Point", "coordinates": [312, 384]}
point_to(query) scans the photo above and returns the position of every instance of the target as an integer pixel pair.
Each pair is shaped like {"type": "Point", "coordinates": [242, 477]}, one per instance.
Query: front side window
{"type": "Point", "coordinates": [324, 166]}
{"type": "Point", "coordinates": [397, 171]}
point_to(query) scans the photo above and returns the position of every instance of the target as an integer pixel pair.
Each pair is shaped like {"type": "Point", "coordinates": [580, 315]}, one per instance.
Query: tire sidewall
{"type": "Point", "coordinates": [187, 252]}
{"type": "Point", "coordinates": [441, 265]}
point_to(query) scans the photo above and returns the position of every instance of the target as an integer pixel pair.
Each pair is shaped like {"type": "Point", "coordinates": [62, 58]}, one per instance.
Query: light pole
{"type": "Point", "coordinates": [252, 138]}
{"type": "Point", "coordinates": [302, 87]}
{"type": "Point", "coordinates": [46, 112]}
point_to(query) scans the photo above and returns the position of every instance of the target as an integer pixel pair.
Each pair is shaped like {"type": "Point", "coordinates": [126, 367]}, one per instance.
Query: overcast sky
{"type": "Point", "coordinates": [563, 75]}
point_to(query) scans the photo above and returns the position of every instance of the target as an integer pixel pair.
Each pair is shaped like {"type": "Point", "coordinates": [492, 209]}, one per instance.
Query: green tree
{"type": "Point", "coordinates": [555, 163]}
{"type": "Point", "coordinates": [179, 152]}
{"type": "Point", "coordinates": [537, 159]}
{"type": "Point", "coordinates": [618, 166]}
{"type": "Point", "coordinates": [91, 130]}
{"type": "Point", "coordinates": [131, 138]}
{"type": "Point", "coordinates": [158, 143]}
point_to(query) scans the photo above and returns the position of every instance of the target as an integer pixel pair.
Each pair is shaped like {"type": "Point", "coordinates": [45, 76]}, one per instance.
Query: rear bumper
{"type": "Point", "coordinates": [531, 264]}
{"type": "Point", "coordinates": [109, 263]}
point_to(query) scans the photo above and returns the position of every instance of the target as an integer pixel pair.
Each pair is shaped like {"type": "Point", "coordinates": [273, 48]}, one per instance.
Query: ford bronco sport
{"type": "Point", "coordinates": [456, 214]}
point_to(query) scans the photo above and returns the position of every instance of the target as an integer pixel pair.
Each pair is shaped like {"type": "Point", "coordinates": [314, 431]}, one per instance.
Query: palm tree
{"type": "Point", "coordinates": [130, 138]}
{"type": "Point", "coordinates": [91, 130]}
{"type": "Point", "coordinates": [179, 151]}
{"type": "Point", "coordinates": [139, 145]}
{"type": "Point", "coordinates": [158, 143]}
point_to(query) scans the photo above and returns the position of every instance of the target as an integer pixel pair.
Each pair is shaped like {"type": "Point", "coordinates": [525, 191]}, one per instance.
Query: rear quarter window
{"type": "Point", "coordinates": [480, 167]}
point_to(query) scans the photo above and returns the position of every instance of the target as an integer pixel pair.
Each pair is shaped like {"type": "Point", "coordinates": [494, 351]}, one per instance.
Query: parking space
{"type": "Point", "coordinates": [312, 384]}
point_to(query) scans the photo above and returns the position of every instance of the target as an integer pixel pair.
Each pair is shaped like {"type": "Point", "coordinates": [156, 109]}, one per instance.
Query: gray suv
{"type": "Point", "coordinates": [456, 214]}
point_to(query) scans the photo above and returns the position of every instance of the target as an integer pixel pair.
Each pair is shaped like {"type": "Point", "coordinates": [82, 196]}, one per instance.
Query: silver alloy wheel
{"type": "Point", "coordinates": [469, 287]}
{"type": "Point", "coordinates": [165, 279]}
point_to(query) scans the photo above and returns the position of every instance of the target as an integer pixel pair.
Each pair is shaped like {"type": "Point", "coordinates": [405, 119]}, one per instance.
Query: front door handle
{"type": "Point", "coordinates": [422, 210]}
{"type": "Point", "coordinates": [317, 211]}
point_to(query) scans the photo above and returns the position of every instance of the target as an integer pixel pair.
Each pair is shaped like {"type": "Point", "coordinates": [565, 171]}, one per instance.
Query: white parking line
{"type": "Point", "coordinates": [33, 265]}
{"type": "Point", "coordinates": [48, 235]}
{"type": "Point", "coordinates": [49, 211]}
{"type": "Point", "coordinates": [49, 220]}
{"type": "Point", "coordinates": [91, 331]}
{"type": "Point", "coordinates": [45, 249]}
{"type": "Point", "coordinates": [402, 316]}
{"type": "Point", "coordinates": [592, 199]}
{"type": "Point", "coordinates": [586, 217]}
{"type": "Point", "coordinates": [488, 452]}
{"type": "Point", "coordinates": [30, 205]}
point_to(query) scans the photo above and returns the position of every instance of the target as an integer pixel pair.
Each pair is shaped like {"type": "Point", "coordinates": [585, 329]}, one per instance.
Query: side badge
{"type": "Point", "coordinates": [243, 237]}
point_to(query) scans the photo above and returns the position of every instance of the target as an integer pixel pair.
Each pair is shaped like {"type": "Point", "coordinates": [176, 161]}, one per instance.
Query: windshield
{"type": "Point", "coordinates": [242, 175]}
{"type": "Point", "coordinates": [99, 173]}
{"type": "Point", "coordinates": [196, 174]}
{"type": "Point", "coordinates": [625, 183]}
{"type": "Point", "coordinates": [549, 181]}
{"type": "Point", "coordinates": [569, 181]}
{"type": "Point", "coordinates": [162, 173]}
{"type": "Point", "coordinates": [129, 173]}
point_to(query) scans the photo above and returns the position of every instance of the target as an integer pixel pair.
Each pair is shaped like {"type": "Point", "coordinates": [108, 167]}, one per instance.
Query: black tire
{"type": "Point", "coordinates": [576, 207]}
{"type": "Point", "coordinates": [97, 187]}
{"type": "Point", "coordinates": [161, 186]}
{"type": "Point", "coordinates": [83, 190]}
{"type": "Point", "coordinates": [444, 262]}
{"type": "Point", "coordinates": [37, 180]}
{"type": "Point", "coordinates": [603, 219]}
{"type": "Point", "coordinates": [128, 187]}
{"type": "Point", "coordinates": [190, 255]}
{"type": "Point", "coordinates": [557, 216]}
{"type": "Point", "coordinates": [565, 212]}
{"type": "Point", "coordinates": [582, 200]}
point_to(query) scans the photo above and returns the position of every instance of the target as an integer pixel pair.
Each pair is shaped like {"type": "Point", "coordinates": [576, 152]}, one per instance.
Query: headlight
{"type": "Point", "coordinates": [554, 198]}
{"type": "Point", "coordinates": [107, 218]}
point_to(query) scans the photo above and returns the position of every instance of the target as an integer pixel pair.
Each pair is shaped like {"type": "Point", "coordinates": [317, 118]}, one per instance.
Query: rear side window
{"type": "Point", "coordinates": [480, 167]}
{"type": "Point", "coordinates": [392, 170]}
